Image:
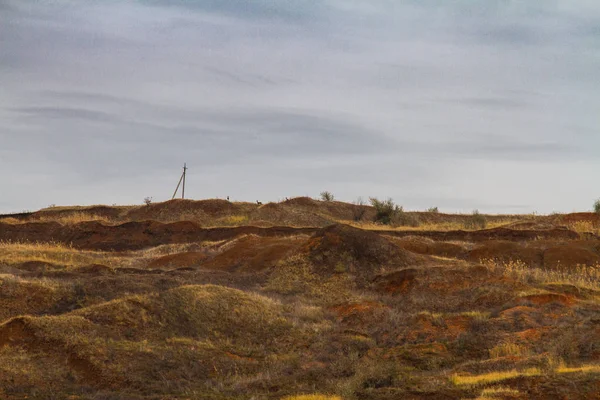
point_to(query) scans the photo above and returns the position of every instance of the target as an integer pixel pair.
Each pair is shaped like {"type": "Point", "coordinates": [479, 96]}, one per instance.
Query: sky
{"type": "Point", "coordinates": [480, 104]}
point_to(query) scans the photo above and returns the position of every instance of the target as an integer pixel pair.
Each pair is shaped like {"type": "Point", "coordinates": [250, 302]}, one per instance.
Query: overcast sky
{"type": "Point", "coordinates": [479, 104]}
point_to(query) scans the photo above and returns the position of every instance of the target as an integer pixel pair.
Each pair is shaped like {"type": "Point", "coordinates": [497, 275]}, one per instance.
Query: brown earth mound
{"type": "Point", "coordinates": [18, 297]}
{"type": "Point", "coordinates": [133, 235]}
{"type": "Point", "coordinates": [202, 211]}
{"type": "Point", "coordinates": [490, 234]}
{"type": "Point", "coordinates": [422, 245]}
{"type": "Point", "coordinates": [356, 313]}
{"type": "Point", "coordinates": [342, 248]}
{"type": "Point", "coordinates": [573, 218]}
{"type": "Point", "coordinates": [253, 253]}
{"type": "Point", "coordinates": [25, 332]}
{"type": "Point", "coordinates": [95, 269]}
{"type": "Point", "coordinates": [105, 212]}
{"type": "Point", "coordinates": [196, 311]}
{"type": "Point", "coordinates": [396, 282]}
{"type": "Point", "coordinates": [501, 250]}
{"type": "Point", "coordinates": [179, 260]}
{"type": "Point", "coordinates": [569, 255]}
{"type": "Point", "coordinates": [547, 298]}
{"type": "Point", "coordinates": [282, 214]}
{"type": "Point", "coordinates": [302, 201]}
{"type": "Point", "coordinates": [37, 266]}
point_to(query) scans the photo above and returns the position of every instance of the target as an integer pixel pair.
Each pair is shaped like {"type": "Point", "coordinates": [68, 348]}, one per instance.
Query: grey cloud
{"type": "Point", "coordinates": [489, 102]}
{"type": "Point", "coordinates": [61, 113]}
{"type": "Point", "coordinates": [463, 104]}
{"type": "Point", "coordinates": [87, 97]}
{"type": "Point", "coordinates": [298, 10]}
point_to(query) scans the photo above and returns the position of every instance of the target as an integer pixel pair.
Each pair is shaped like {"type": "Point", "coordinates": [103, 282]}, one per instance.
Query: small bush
{"type": "Point", "coordinates": [326, 196]}
{"type": "Point", "coordinates": [389, 213]}
{"type": "Point", "coordinates": [147, 200]}
{"type": "Point", "coordinates": [433, 210]}
{"type": "Point", "coordinates": [597, 206]}
{"type": "Point", "coordinates": [385, 210]}
{"type": "Point", "coordinates": [476, 221]}
{"type": "Point", "coordinates": [402, 218]}
{"type": "Point", "coordinates": [359, 210]}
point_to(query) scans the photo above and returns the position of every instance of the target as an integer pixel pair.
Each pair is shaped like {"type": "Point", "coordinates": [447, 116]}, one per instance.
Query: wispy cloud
{"type": "Point", "coordinates": [424, 101]}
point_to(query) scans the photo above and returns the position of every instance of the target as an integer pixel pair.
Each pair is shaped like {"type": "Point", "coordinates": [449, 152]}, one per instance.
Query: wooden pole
{"type": "Point", "coordinates": [183, 189]}
{"type": "Point", "coordinates": [177, 188]}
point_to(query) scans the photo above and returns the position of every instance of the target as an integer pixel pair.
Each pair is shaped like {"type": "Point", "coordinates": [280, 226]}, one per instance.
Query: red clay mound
{"type": "Point", "coordinates": [396, 282]}
{"type": "Point", "coordinates": [568, 256]}
{"type": "Point", "coordinates": [187, 259]}
{"type": "Point", "coordinates": [547, 298]}
{"type": "Point", "coordinates": [421, 245]}
{"type": "Point", "coordinates": [356, 313]}
{"type": "Point", "coordinates": [506, 251]}
{"type": "Point", "coordinates": [342, 248]}
{"type": "Point", "coordinates": [415, 244]}
{"type": "Point", "coordinates": [134, 235]}
{"type": "Point", "coordinates": [253, 253]}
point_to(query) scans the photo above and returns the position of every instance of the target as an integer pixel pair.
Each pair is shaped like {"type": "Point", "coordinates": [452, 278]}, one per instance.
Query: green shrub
{"type": "Point", "coordinates": [326, 196]}
{"type": "Point", "coordinates": [389, 213]}
{"type": "Point", "coordinates": [385, 210]}
{"type": "Point", "coordinates": [433, 210]}
{"type": "Point", "coordinates": [597, 206]}
{"type": "Point", "coordinates": [476, 221]}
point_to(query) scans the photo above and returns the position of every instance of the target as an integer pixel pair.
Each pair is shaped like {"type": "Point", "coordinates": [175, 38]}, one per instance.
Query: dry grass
{"type": "Point", "coordinates": [73, 218]}
{"type": "Point", "coordinates": [312, 397]}
{"type": "Point", "coordinates": [12, 253]}
{"type": "Point", "coordinates": [49, 252]}
{"type": "Point", "coordinates": [497, 392]}
{"type": "Point", "coordinates": [583, 227]}
{"type": "Point", "coordinates": [232, 220]}
{"type": "Point", "coordinates": [295, 275]}
{"type": "Point", "coordinates": [509, 350]}
{"type": "Point", "coordinates": [492, 377]}
{"type": "Point", "coordinates": [581, 276]}
{"type": "Point", "coordinates": [588, 369]}
{"type": "Point", "coordinates": [430, 226]}
{"type": "Point", "coordinates": [498, 376]}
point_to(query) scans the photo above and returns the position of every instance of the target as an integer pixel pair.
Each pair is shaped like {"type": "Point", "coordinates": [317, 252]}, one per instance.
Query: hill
{"type": "Point", "coordinates": [296, 300]}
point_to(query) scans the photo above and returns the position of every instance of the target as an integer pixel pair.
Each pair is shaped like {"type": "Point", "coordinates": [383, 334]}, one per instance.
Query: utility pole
{"type": "Point", "coordinates": [178, 184]}
{"type": "Point", "coordinates": [183, 189]}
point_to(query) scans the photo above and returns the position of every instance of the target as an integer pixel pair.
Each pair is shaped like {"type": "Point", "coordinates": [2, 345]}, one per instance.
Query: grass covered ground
{"type": "Point", "coordinates": [343, 313]}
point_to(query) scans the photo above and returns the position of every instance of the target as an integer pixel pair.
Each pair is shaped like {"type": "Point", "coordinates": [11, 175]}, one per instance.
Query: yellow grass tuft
{"type": "Point", "coordinates": [562, 369]}
{"type": "Point", "coordinates": [234, 220]}
{"type": "Point", "coordinates": [71, 218]}
{"type": "Point", "coordinates": [497, 392]}
{"type": "Point", "coordinates": [509, 350]}
{"type": "Point", "coordinates": [491, 377]}
{"type": "Point", "coordinates": [583, 227]}
{"type": "Point", "coordinates": [312, 397]}
{"type": "Point", "coordinates": [428, 226]}
{"type": "Point", "coordinates": [581, 275]}
{"type": "Point", "coordinates": [12, 253]}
